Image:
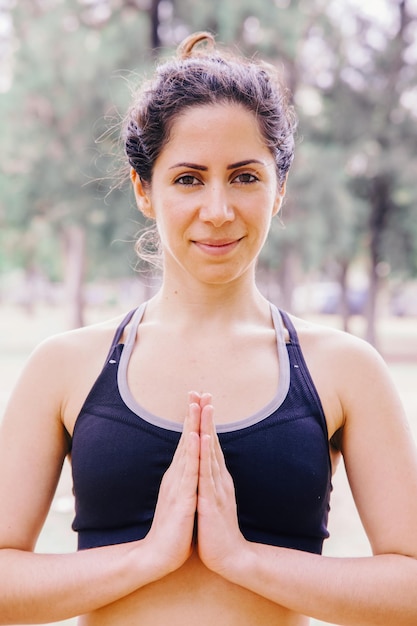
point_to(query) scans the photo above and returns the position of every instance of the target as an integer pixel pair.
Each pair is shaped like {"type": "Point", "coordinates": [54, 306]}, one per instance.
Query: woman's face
{"type": "Point", "coordinates": [214, 191]}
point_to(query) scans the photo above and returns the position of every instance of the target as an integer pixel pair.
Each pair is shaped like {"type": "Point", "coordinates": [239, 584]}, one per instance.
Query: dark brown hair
{"type": "Point", "coordinates": [199, 76]}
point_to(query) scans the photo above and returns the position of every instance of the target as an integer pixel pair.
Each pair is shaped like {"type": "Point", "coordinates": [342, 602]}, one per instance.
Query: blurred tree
{"type": "Point", "coordinates": [353, 78]}
{"type": "Point", "coordinates": [59, 104]}
{"type": "Point", "coordinates": [352, 74]}
{"type": "Point", "coordinates": [379, 131]}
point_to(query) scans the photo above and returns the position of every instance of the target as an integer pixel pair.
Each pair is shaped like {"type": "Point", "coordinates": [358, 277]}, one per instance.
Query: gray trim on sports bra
{"type": "Point", "coordinates": [273, 405]}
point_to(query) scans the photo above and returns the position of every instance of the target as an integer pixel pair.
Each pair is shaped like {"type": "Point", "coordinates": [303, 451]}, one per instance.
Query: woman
{"type": "Point", "coordinates": [201, 450]}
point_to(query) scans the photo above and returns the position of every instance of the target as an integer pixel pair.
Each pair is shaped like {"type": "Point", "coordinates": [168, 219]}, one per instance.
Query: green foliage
{"type": "Point", "coordinates": [352, 77]}
{"type": "Point", "coordinates": [64, 97]}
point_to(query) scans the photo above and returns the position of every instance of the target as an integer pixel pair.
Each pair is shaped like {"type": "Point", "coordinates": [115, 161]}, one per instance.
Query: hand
{"type": "Point", "coordinates": [219, 535]}
{"type": "Point", "coordinates": [171, 535]}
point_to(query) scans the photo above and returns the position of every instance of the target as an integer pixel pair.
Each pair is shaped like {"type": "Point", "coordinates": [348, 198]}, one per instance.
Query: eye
{"type": "Point", "coordinates": [246, 178]}
{"type": "Point", "coordinates": [187, 180]}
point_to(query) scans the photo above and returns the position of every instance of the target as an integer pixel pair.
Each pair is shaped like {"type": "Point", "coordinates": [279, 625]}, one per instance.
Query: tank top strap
{"type": "Point", "coordinates": [119, 332]}
{"type": "Point", "coordinates": [298, 361]}
{"type": "Point", "coordinates": [290, 327]}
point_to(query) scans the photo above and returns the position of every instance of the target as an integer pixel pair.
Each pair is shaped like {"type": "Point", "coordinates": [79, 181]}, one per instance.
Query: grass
{"type": "Point", "coordinates": [21, 333]}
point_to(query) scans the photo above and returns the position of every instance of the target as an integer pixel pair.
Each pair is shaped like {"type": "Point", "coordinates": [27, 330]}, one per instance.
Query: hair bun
{"type": "Point", "coordinates": [186, 48]}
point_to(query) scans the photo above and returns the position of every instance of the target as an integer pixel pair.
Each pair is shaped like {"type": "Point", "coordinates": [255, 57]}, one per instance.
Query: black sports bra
{"type": "Point", "coordinates": [278, 458]}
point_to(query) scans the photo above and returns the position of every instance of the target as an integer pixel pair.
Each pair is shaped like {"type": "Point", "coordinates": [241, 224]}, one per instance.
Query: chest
{"type": "Point", "coordinates": [241, 373]}
{"type": "Point", "coordinates": [279, 465]}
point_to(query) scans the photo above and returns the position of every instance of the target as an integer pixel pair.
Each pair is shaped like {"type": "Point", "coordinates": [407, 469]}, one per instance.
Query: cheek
{"type": "Point", "coordinates": [171, 222]}
{"type": "Point", "coordinates": [173, 213]}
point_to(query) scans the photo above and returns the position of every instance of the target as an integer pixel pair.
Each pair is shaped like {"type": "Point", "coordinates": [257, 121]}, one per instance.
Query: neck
{"type": "Point", "coordinates": [203, 304]}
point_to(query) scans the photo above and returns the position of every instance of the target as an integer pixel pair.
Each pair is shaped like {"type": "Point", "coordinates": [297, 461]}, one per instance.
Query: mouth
{"type": "Point", "coordinates": [217, 247]}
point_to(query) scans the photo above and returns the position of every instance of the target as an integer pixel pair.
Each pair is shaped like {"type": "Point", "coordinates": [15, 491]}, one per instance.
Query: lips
{"type": "Point", "coordinates": [217, 242]}
{"type": "Point", "coordinates": [217, 247]}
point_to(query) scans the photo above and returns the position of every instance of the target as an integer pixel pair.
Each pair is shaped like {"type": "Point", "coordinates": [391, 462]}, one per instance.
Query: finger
{"type": "Point", "coordinates": [208, 427]}
{"type": "Point", "coordinates": [186, 459]}
{"type": "Point", "coordinates": [206, 485]}
{"type": "Point", "coordinates": [207, 424]}
{"type": "Point", "coordinates": [191, 424]}
{"type": "Point", "coordinates": [194, 397]}
{"type": "Point", "coordinates": [192, 462]}
{"type": "Point", "coordinates": [189, 463]}
{"type": "Point", "coordinates": [192, 421]}
{"type": "Point", "coordinates": [212, 451]}
{"type": "Point", "coordinates": [205, 399]}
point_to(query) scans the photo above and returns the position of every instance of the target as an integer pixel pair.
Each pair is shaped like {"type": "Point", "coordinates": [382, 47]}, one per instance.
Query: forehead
{"type": "Point", "coordinates": [224, 128]}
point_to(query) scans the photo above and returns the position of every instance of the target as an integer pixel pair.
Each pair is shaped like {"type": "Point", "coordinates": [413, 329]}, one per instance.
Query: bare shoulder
{"type": "Point", "coordinates": [80, 341]}
{"type": "Point", "coordinates": [338, 348]}
{"type": "Point", "coordinates": [64, 351]}
{"type": "Point", "coordinates": [67, 364]}
{"type": "Point", "coordinates": [348, 372]}
{"type": "Point", "coordinates": [351, 365]}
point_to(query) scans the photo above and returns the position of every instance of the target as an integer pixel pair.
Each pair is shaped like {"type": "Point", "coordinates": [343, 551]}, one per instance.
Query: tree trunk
{"type": "Point", "coordinates": [380, 198]}
{"type": "Point", "coordinates": [371, 304]}
{"type": "Point", "coordinates": [344, 296]}
{"type": "Point", "coordinates": [74, 255]}
{"type": "Point", "coordinates": [154, 35]}
{"type": "Point", "coordinates": [381, 186]}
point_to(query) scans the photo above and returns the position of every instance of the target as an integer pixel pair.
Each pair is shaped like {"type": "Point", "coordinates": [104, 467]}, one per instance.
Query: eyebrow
{"type": "Point", "coordinates": [203, 168]}
{"type": "Point", "coordinates": [192, 166]}
{"type": "Point", "coordinates": [234, 166]}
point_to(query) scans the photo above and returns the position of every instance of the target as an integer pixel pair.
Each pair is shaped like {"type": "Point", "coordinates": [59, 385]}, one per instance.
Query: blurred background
{"type": "Point", "coordinates": [347, 240]}
{"type": "Point", "coordinates": [345, 248]}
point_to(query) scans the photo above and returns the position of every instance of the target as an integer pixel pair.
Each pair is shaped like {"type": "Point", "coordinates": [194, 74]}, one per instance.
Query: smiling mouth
{"type": "Point", "coordinates": [217, 242]}
{"type": "Point", "coordinates": [218, 247]}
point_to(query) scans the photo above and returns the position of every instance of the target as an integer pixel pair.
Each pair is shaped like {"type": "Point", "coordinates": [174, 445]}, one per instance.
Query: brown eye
{"type": "Point", "coordinates": [246, 178]}
{"type": "Point", "coordinates": [187, 181]}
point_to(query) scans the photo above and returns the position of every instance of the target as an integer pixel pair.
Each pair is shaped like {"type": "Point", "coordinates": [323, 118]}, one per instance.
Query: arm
{"type": "Point", "coordinates": [381, 464]}
{"type": "Point", "coordinates": [39, 588]}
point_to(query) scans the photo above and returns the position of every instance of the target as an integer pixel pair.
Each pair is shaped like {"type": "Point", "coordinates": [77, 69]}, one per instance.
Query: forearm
{"type": "Point", "coordinates": [369, 591]}
{"type": "Point", "coordinates": [38, 588]}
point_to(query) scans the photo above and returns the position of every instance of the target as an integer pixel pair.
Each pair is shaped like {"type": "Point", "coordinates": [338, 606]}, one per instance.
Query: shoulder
{"type": "Point", "coordinates": [63, 348]}
{"type": "Point", "coordinates": [334, 345]}
{"type": "Point", "coordinates": [67, 365]}
{"type": "Point", "coordinates": [348, 372]}
{"type": "Point", "coordinates": [349, 361]}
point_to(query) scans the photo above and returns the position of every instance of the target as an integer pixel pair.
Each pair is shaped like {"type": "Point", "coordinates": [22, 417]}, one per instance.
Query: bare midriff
{"type": "Point", "coordinates": [193, 595]}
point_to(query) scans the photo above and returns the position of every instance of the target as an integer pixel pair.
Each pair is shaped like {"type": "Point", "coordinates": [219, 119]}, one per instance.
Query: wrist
{"type": "Point", "coordinates": [238, 565]}
{"type": "Point", "coordinates": [146, 562]}
{"type": "Point", "coordinates": [157, 559]}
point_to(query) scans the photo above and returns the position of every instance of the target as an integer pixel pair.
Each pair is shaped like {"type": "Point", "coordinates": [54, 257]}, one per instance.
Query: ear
{"type": "Point", "coordinates": [142, 194]}
{"type": "Point", "coordinates": [280, 195]}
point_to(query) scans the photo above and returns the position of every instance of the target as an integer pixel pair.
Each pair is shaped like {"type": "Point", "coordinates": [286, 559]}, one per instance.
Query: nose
{"type": "Point", "coordinates": [216, 207]}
